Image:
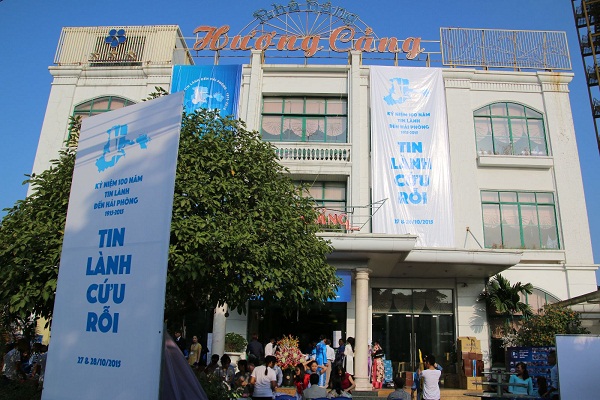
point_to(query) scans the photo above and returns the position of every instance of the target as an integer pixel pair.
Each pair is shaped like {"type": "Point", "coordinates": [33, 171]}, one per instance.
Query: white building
{"type": "Point", "coordinates": [516, 208]}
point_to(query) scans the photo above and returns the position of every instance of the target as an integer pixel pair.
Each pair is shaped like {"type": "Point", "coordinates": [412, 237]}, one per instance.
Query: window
{"type": "Point", "coordinates": [100, 105]}
{"type": "Point", "coordinates": [330, 199]}
{"type": "Point", "coordinates": [538, 299]}
{"type": "Point", "coordinates": [519, 220]}
{"type": "Point", "coordinates": [302, 119]}
{"type": "Point", "coordinates": [330, 195]}
{"type": "Point", "coordinates": [509, 129]}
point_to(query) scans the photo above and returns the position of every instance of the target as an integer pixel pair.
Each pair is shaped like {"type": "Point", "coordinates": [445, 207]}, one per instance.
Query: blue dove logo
{"type": "Point", "coordinates": [401, 92]}
{"type": "Point", "coordinates": [115, 146]}
{"type": "Point", "coordinates": [207, 93]}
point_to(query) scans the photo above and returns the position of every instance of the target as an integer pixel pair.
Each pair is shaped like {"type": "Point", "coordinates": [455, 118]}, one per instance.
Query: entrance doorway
{"type": "Point", "coordinates": [406, 321]}
{"type": "Point", "coordinates": [306, 325]}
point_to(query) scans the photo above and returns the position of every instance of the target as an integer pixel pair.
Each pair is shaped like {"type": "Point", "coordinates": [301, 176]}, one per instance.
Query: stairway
{"type": "Point", "coordinates": [447, 394]}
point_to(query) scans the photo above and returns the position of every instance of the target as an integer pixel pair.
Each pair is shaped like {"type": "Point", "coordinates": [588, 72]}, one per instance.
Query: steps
{"type": "Point", "coordinates": [446, 394]}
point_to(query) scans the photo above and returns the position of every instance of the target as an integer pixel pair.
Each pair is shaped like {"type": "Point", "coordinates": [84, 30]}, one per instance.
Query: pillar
{"type": "Point", "coordinates": [361, 353]}
{"type": "Point", "coordinates": [218, 332]}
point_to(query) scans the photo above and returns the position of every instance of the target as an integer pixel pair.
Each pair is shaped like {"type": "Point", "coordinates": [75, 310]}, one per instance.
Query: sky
{"type": "Point", "coordinates": [31, 28]}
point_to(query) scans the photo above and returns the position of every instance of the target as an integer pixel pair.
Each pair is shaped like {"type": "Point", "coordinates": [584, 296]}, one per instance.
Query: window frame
{"type": "Point", "coordinates": [306, 117]}
{"type": "Point", "coordinates": [323, 201]}
{"type": "Point", "coordinates": [519, 204]}
{"type": "Point", "coordinates": [95, 111]}
{"type": "Point", "coordinates": [86, 113]}
{"type": "Point", "coordinates": [527, 119]}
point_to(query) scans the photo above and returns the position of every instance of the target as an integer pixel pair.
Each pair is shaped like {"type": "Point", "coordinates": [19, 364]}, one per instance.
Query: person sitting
{"type": "Point", "coordinates": [542, 386]}
{"type": "Point", "coordinates": [301, 380]}
{"type": "Point", "coordinates": [399, 392]}
{"type": "Point", "coordinates": [241, 380]}
{"type": "Point", "coordinates": [341, 383]}
{"type": "Point", "coordinates": [226, 372]}
{"type": "Point", "coordinates": [314, 391]}
{"type": "Point", "coordinates": [524, 384]}
{"type": "Point", "coordinates": [214, 364]}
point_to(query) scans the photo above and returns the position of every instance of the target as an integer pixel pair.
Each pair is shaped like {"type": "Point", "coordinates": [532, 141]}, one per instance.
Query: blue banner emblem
{"type": "Point", "coordinates": [208, 86]}
{"type": "Point", "coordinates": [344, 292]}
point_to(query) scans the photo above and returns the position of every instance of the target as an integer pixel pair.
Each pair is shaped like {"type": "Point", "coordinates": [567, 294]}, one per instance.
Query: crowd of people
{"type": "Point", "coordinates": [324, 372]}
{"type": "Point", "coordinates": [328, 373]}
{"type": "Point", "coordinates": [24, 362]}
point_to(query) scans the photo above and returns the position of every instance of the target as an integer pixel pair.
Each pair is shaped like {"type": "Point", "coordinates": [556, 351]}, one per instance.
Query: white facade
{"type": "Point", "coordinates": [383, 261]}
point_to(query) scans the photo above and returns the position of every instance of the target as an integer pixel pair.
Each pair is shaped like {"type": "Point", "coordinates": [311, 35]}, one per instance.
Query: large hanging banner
{"type": "Point", "coordinates": [209, 86]}
{"type": "Point", "coordinates": [107, 328]}
{"type": "Point", "coordinates": [410, 157]}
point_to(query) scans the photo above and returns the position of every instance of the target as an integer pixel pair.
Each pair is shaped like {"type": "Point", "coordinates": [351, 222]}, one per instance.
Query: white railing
{"type": "Point", "coordinates": [142, 44]}
{"type": "Point", "coordinates": [329, 152]}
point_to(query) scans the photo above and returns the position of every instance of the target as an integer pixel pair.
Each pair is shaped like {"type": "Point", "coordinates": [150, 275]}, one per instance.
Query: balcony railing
{"type": "Point", "coordinates": [309, 152]}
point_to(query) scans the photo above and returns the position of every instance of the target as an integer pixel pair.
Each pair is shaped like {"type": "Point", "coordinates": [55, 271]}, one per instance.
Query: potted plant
{"type": "Point", "coordinates": [235, 346]}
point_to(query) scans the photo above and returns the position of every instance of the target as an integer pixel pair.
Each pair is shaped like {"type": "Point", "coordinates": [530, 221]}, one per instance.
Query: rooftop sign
{"type": "Point", "coordinates": [309, 27]}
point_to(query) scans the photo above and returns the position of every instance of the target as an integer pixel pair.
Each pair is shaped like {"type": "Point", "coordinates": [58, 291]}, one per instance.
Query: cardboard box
{"type": "Point", "coordinates": [467, 370]}
{"type": "Point", "coordinates": [468, 344]}
{"type": "Point", "coordinates": [470, 383]}
{"type": "Point", "coordinates": [479, 368]}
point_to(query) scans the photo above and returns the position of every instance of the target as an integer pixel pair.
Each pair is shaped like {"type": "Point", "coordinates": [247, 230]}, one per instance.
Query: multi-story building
{"type": "Point", "coordinates": [513, 194]}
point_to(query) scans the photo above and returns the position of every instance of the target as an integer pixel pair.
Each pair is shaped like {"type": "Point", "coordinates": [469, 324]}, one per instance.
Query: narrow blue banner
{"type": "Point", "coordinates": [344, 292]}
{"type": "Point", "coordinates": [208, 86]}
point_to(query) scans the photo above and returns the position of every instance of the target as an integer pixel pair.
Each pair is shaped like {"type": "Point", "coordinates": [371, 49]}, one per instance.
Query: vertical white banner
{"type": "Point", "coordinates": [410, 157]}
{"type": "Point", "coordinates": [106, 339]}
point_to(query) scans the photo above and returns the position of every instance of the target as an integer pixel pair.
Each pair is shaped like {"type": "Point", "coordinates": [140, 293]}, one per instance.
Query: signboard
{"type": "Point", "coordinates": [342, 40]}
{"type": "Point", "coordinates": [536, 359]}
{"type": "Point", "coordinates": [410, 156]}
{"type": "Point", "coordinates": [209, 86]}
{"type": "Point", "coordinates": [107, 328]}
{"type": "Point", "coordinates": [307, 27]}
{"type": "Point", "coordinates": [344, 292]}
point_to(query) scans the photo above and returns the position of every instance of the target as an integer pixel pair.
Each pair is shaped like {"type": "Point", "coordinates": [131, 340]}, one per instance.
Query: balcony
{"type": "Point", "coordinates": [330, 153]}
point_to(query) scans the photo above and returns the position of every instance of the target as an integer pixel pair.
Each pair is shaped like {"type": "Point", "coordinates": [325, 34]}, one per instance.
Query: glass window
{"type": "Point", "coordinates": [519, 220]}
{"type": "Point", "coordinates": [509, 129]}
{"type": "Point", "coordinates": [483, 133]}
{"type": "Point", "coordinates": [272, 105]}
{"type": "Point", "coordinates": [492, 233]}
{"type": "Point", "coordinates": [330, 200]}
{"type": "Point", "coordinates": [100, 105]}
{"type": "Point", "coordinates": [305, 120]}
{"type": "Point", "coordinates": [538, 299]}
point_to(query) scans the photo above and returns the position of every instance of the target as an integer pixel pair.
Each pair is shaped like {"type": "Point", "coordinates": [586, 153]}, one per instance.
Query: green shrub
{"type": "Point", "coordinates": [234, 342]}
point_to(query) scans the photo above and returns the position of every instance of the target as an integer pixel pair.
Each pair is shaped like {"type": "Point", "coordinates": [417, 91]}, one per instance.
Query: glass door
{"type": "Point", "coordinates": [414, 320]}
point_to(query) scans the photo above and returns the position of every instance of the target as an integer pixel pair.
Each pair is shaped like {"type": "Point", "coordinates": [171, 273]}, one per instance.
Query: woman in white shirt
{"type": "Point", "coordinates": [264, 380]}
{"type": "Point", "coordinates": [349, 353]}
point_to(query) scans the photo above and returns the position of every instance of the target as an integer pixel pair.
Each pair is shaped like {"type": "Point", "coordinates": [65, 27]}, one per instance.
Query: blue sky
{"type": "Point", "coordinates": [30, 30]}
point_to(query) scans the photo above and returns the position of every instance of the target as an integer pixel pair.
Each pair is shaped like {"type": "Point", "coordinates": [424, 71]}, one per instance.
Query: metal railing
{"type": "Point", "coordinates": [495, 48]}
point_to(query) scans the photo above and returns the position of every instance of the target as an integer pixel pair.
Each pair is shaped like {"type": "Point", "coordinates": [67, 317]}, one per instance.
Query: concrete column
{"type": "Point", "coordinates": [361, 376]}
{"type": "Point", "coordinates": [219, 328]}
{"type": "Point", "coordinates": [251, 109]}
